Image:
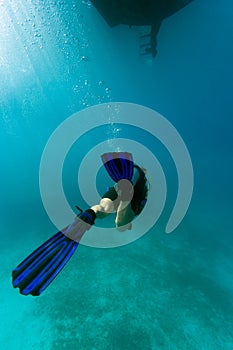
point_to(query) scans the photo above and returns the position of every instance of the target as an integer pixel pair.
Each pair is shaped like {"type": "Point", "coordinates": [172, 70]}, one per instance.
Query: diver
{"type": "Point", "coordinates": [128, 198]}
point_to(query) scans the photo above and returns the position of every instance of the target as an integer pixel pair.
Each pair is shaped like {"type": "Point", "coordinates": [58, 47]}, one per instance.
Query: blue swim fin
{"type": "Point", "coordinates": [119, 165]}
{"type": "Point", "coordinates": [39, 269]}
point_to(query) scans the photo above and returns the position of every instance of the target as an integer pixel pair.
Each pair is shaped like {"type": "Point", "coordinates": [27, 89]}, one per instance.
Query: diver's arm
{"type": "Point", "coordinates": [125, 214]}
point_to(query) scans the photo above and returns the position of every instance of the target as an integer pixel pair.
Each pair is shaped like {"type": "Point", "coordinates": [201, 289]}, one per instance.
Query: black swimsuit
{"type": "Point", "coordinates": [140, 193]}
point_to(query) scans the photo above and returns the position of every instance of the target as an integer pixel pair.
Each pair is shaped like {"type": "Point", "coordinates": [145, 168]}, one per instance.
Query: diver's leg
{"type": "Point", "coordinates": [105, 207]}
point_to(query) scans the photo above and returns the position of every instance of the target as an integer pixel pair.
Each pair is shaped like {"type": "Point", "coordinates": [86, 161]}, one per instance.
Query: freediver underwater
{"type": "Point", "coordinates": [127, 198]}
{"type": "Point", "coordinates": [140, 13]}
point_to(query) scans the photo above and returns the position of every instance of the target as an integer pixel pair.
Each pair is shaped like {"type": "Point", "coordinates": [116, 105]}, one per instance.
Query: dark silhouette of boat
{"type": "Point", "coordinates": [139, 13]}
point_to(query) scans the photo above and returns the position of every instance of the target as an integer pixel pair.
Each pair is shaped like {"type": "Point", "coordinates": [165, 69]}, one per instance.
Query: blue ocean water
{"type": "Point", "coordinates": [162, 291]}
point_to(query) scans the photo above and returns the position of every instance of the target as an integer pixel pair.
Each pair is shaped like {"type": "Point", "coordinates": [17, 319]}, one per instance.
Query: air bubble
{"type": "Point", "coordinates": [76, 88]}
{"type": "Point", "coordinates": [84, 58]}
{"type": "Point", "coordinates": [87, 3]}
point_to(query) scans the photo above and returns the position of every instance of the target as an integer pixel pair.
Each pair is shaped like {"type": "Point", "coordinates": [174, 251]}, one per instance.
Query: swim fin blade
{"type": "Point", "coordinates": [39, 269]}
{"type": "Point", "coordinates": [119, 165]}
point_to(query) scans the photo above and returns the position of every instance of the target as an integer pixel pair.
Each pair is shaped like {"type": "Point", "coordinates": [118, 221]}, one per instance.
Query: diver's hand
{"type": "Point", "coordinates": [81, 224]}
